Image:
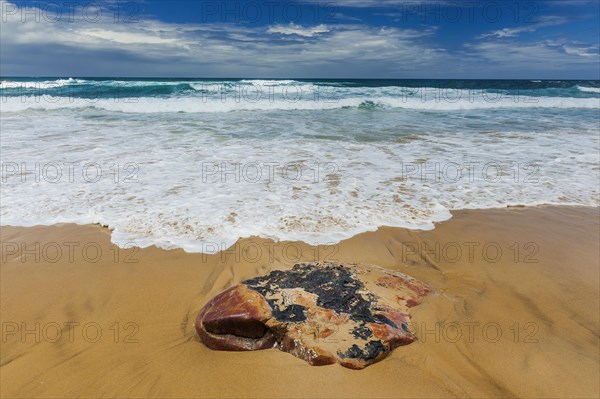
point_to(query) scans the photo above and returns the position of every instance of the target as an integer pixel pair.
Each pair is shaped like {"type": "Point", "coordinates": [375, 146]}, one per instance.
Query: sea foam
{"type": "Point", "coordinates": [187, 171]}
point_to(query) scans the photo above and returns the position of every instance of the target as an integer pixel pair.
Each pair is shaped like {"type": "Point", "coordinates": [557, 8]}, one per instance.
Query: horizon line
{"type": "Point", "coordinates": [279, 78]}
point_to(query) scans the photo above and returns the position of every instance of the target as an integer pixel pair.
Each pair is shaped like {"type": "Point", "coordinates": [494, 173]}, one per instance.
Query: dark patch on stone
{"type": "Point", "coordinates": [370, 352]}
{"type": "Point", "coordinates": [362, 332]}
{"type": "Point", "coordinates": [334, 286]}
{"type": "Point", "coordinates": [292, 313]}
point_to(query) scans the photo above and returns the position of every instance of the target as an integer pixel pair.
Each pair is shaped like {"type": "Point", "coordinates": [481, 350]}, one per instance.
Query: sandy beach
{"type": "Point", "coordinates": [300, 199]}
{"type": "Point", "coordinates": [516, 313]}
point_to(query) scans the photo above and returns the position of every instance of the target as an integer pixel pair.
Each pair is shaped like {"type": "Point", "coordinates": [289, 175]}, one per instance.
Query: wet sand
{"type": "Point", "coordinates": [516, 313]}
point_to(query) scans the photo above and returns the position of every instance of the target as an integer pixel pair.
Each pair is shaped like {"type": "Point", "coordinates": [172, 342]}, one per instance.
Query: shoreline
{"type": "Point", "coordinates": [508, 320]}
{"type": "Point", "coordinates": [435, 223]}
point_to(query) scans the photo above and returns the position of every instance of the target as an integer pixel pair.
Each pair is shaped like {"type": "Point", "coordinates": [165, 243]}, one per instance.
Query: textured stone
{"type": "Point", "coordinates": [323, 313]}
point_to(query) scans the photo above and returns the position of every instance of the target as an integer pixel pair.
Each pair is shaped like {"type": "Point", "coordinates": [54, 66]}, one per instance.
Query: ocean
{"type": "Point", "coordinates": [198, 163]}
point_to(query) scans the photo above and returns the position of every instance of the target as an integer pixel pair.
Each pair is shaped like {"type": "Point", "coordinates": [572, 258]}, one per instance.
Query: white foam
{"type": "Point", "coordinates": [589, 89]}
{"type": "Point", "coordinates": [297, 100]}
{"type": "Point", "coordinates": [40, 85]}
{"type": "Point", "coordinates": [347, 186]}
{"type": "Point", "coordinates": [262, 82]}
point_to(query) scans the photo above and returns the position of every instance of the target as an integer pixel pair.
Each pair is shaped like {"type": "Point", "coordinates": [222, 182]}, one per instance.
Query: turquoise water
{"type": "Point", "coordinates": [331, 89]}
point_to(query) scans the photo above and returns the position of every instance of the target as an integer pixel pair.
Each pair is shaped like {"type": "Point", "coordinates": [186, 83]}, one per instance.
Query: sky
{"type": "Point", "coordinates": [442, 39]}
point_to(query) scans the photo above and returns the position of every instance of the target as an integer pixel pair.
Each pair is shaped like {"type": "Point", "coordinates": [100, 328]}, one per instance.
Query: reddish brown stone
{"type": "Point", "coordinates": [323, 313]}
{"type": "Point", "coordinates": [235, 320]}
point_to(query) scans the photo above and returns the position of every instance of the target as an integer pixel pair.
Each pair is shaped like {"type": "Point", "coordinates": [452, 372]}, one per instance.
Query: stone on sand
{"type": "Point", "coordinates": [322, 313]}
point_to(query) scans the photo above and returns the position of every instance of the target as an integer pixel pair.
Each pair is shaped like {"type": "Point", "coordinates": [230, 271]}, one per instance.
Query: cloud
{"type": "Point", "coordinates": [571, 3]}
{"type": "Point", "coordinates": [128, 37]}
{"type": "Point", "coordinates": [537, 55]}
{"type": "Point", "coordinates": [343, 17]}
{"type": "Point", "coordinates": [156, 48]}
{"type": "Point", "coordinates": [293, 29]}
{"type": "Point", "coordinates": [150, 47]}
{"type": "Point", "coordinates": [377, 3]}
{"type": "Point", "coordinates": [542, 22]}
{"type": "Point", "coordinates": [582, 52]}
{"type": "Point", "coordinates": [577, 48]}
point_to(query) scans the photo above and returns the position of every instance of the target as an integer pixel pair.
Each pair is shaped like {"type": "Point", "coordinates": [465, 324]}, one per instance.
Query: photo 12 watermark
{"type": "Point", "coordinates": [472, 331]}
{"type": "Point", "coordinates": [55, 12]}
{"type": "Point", "coordinates": [73, 252]}
{"type": "Point", "coordinates": [452, 332]}
{"type": "Point", "coordinates": [470, 252]}
{"type": "Point", "coordinates": [489, 171]}
{"type": "Point", "coordinates": [56, 172]}
{"type": "Point", "coordinates": [269, 172]}
{"type": "Point", "coordinates": [65, 332]}
{"type": "Point", "coordinates": [251, 252]}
